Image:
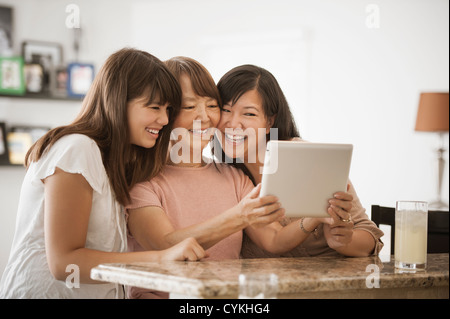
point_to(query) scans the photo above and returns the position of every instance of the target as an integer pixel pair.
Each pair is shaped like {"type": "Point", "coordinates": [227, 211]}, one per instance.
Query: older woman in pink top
{"type": "Point", "coordinates": [193, 197]}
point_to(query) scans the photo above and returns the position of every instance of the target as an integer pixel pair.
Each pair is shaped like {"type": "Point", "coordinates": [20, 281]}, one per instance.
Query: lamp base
{"type": "Point", "coordinates": [438, 205]}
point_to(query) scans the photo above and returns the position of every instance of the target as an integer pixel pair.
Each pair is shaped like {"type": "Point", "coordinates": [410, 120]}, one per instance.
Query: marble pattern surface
{"type": "Point", "coordinates": [212, 279]}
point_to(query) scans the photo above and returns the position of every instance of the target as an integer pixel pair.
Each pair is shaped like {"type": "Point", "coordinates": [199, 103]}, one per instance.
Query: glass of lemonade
{"type": "Point", "coordinates": [411, 229]}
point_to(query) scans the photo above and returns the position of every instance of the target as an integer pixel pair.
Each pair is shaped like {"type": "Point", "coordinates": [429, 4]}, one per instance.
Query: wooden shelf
{"type": "Point", "coordinates": [35, 97]}
{"type": "Point", "coordinates": [42, 97]}
{"type": "Point", "coordinates": [11, 165]}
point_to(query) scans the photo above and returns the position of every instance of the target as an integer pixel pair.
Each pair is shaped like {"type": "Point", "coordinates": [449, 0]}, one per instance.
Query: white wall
{"type": "Point", "coordinates": [345, 81]}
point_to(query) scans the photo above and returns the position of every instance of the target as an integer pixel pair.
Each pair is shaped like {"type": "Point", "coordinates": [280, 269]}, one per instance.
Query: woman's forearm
{"type": "Point", "coordinates": [152, 229]}
{"type": "Point", "coordinates": [209, 232]}
{"type": "Point", "coordinates": [277, 239]}
{"type": "Point", "coordinates": [362, 245]}
{"type": "Point", "coordinates": [75, 264]}
{"type": "Point", "coordinates": [78, 263]}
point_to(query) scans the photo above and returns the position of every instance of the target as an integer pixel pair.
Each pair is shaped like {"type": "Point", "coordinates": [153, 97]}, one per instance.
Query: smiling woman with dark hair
{"type": "Point", "coordinates": [70, 216]}
{"type": "Point", "coordinates": [253, 101]}
{"type": "Point", "coordinates": [242, 79]}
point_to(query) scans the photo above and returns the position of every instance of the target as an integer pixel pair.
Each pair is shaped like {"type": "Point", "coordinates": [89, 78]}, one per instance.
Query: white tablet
{"type": "Point", "coordinates": [304, 176]}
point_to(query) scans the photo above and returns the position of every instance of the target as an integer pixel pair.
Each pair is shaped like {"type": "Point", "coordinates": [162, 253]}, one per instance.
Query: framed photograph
{"type": "Point", "coordinates": [36, 132]}
{"type": "Point", "coordinates": [46, 54]}
{"type": "Point", "coordinates": [80, 77]}
{"type": "Point", "coordinates": [4, 154]}
{"type": "Point", "coordinates": [58, 81]}
{"type": "Point", "coordinates": [18, 146]}
{"type": "Point", "coordinates": [11, 76]}
{"type": "Point", "coordinates": [6, 31]}
{"type": "Point", "coordinates": [20, 139]}
{"type": "Point", "coordinates": [34, 78]}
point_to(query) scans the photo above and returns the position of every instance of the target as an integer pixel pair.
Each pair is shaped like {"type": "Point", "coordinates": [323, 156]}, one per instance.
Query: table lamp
{"type": "Point", "coordinates": [432, 116]}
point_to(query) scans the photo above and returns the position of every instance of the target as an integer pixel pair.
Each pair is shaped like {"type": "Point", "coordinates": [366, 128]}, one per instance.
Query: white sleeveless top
{"type": "Point", "coordinates": [27, 274]}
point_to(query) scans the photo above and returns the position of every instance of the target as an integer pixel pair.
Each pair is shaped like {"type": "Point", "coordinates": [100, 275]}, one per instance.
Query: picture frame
{"type": "Point", "coordinates": [6, 30]}
{"type": "Point", "coordinates": [36, 132]}
{"type": "Point", "coordinates": [80, 78]}
{"type": "Point", "coordinates": [47, 54]}
{"type": "Point", "coordinates": [58, 81]}
{"type": "Point", "coordinates": [20, 139]}
{"type": "Point", "coordinates": [4, 152]}
{"type": "Point", "coordinates": [34, 78]}
{"type": "Point", "coordinates": [18, 146]}
{"type": "Point", "coordinates": [12, 76]}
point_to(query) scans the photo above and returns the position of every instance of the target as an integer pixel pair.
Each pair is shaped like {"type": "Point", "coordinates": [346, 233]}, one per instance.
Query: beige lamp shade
{"type": "Point", "coordinates": [432, 115]}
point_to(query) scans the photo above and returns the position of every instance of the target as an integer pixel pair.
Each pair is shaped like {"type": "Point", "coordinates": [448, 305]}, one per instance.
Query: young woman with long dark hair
{"type": "Point", "coordinates": [70, 216]}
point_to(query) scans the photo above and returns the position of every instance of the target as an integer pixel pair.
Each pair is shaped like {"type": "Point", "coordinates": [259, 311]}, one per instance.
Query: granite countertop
{"type": "Point", "coordinates": [212, 279]}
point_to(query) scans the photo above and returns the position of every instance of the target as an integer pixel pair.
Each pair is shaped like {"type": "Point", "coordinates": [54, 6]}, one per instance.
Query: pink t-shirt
{"type": "Point", "coordinates": [190, 196]}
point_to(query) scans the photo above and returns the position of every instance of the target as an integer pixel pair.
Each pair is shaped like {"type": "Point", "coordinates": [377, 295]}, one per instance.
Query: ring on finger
{"type": "Point", "coordinates": [348, 220]}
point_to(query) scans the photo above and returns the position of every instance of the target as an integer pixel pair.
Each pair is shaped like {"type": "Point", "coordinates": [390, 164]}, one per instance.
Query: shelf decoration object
{"type": "Point", "coordinates": [18, 145]}
{"type": "Point", "coordinates": [433, 116]}
{"type": "Point", "coordinates": [6, 31]}
{"type": "Point", "coordinates": [20, 139]}
{"type": "Point", "coordinates": [34, 78]}
{"type": "Point", "coordinates": [11, 76]}
{"type": "Point", "coordinates": [4, 154]}
{"type": "Point", "coordinates": [80, 77]}
{"type": "Point", "coordinates": [58, 81]}
{"type": "Point", "coordinates": [46, 54]}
